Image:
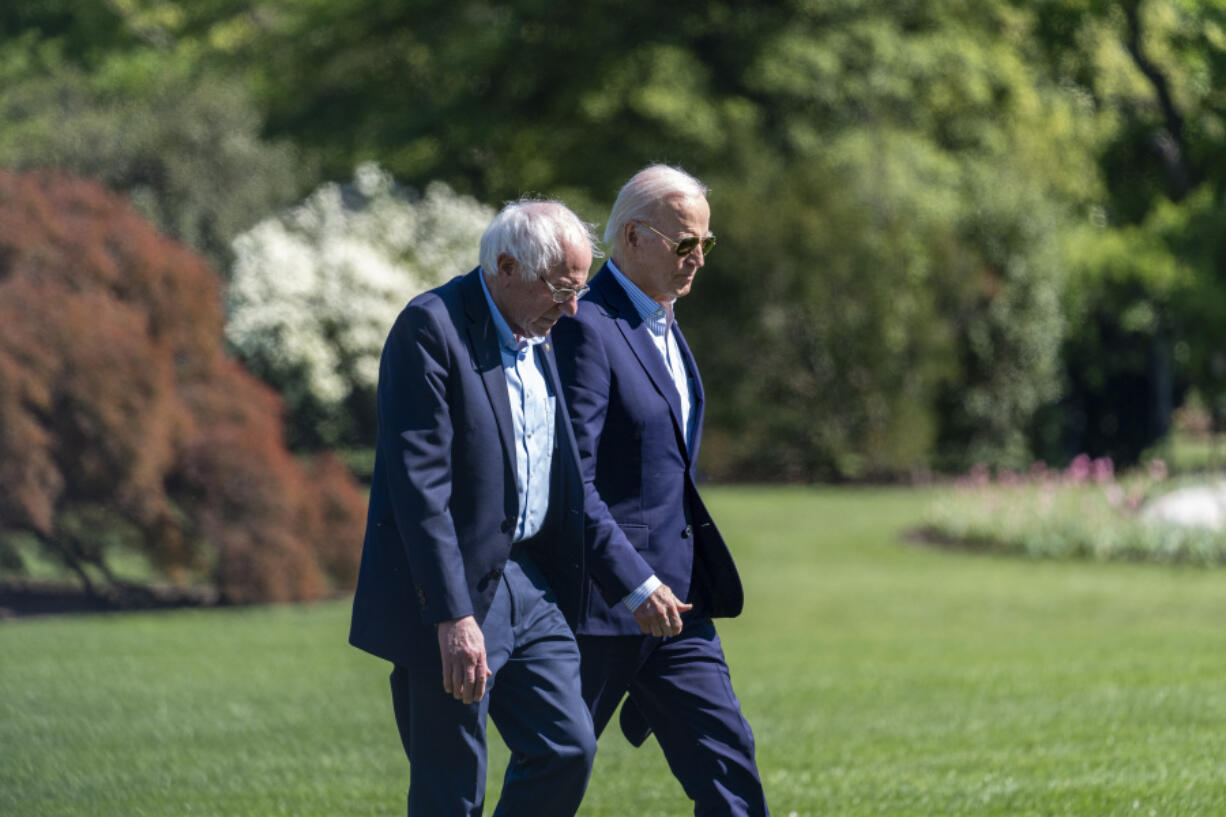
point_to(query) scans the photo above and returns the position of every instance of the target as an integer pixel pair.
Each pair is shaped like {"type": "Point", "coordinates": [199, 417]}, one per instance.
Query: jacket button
{"type": "Point", "coordinates": [685, 534]}
{"type": "Point", "coordinates": [494, 574]}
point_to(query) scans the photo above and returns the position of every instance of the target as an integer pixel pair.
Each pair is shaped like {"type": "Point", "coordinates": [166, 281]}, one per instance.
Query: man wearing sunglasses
{"type": "Point", "coordinates": [660, 568]}
{"type": "Point", "coordinates": [472, 571]}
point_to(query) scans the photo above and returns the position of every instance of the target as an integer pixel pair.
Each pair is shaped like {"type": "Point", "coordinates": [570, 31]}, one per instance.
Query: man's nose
{"type": "Point", "coordinates": [571, 305]}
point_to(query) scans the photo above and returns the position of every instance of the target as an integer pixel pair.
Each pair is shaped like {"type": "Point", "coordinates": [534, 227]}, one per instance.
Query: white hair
{"type": "Point", "coordinates": [640, 196]}
{"type": "Point", "coordinates": [536, 234]}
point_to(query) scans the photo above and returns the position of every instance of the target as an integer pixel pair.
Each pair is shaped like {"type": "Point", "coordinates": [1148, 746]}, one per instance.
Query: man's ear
{"type": "Point", "coordinates": [507, 265]}
{"type": "Point", "coordinates": [630, 233]}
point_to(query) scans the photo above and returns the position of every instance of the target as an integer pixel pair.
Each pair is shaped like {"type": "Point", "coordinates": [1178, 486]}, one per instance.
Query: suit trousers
{"type": "Point", "coordinates": [533, 697]}
{"type": "Point", "coordinates": [682, 687]}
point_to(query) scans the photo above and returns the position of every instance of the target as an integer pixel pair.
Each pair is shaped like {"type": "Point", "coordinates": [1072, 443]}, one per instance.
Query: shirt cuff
{"type": "Point", "coordinates": [640, 595]}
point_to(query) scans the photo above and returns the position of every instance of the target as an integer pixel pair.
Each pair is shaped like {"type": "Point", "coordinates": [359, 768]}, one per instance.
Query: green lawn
{"type": "Point", "coordinates": [880, 679]}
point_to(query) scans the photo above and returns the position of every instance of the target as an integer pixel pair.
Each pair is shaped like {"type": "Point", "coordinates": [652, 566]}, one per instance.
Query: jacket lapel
{"type": "Point", "coordinates": [691, 368]}
{"type": "Point", "coordinates": [487, 359]}
{"type": "Point", "coordinates": [563, 441]}
{"type": "Point", "coordinates": [638, 337]}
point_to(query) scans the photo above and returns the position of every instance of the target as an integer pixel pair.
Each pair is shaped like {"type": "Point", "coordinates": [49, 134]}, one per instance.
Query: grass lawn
{"type": "Point", "coordinates": [880, 678]}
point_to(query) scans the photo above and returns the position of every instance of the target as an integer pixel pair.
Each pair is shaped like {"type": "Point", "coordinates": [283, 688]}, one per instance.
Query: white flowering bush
{"type": "Point", "coordinates": [314, 291]}
{"type": "Point", "coordinates": [1086, 511]}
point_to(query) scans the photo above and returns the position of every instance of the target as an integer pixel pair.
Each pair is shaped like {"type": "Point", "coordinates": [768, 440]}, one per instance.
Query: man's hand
{"type": "Point", "coordinates": [660, 615]}
{"type": "Point", "coordinates": [462, 647]}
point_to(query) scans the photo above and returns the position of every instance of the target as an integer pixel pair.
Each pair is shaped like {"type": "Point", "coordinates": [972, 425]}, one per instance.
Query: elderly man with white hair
{"type": "Point", "coordinates": [473, 566]}
{"type": "Point", "coordinates": [660, 569]}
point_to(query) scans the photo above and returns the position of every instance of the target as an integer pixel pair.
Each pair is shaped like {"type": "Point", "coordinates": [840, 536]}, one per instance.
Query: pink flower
{"type": "Point", "coordinates": [1038, 471]}
{"type": "Point", "coordinates": [979, 474]}
{"type": "Point", "coordinates": [1079, 469]}
{"type": "Point", "coordinates": [1104, 470]}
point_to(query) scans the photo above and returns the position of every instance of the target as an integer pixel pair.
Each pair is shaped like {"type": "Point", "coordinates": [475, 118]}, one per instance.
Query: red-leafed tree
{"type": "Point", "coordinates": [122, 419]}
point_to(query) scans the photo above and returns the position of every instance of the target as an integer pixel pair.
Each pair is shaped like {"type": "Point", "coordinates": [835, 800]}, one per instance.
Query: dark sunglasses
{"type": "Point", "coordinates": [686, 245]}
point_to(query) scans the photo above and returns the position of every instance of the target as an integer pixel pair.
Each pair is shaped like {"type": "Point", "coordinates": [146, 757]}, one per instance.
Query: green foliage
{"type": "Point", "coordinates": [1014, 204]}
{"type": "Point", "coordinates": [360, 462]}
{"type": "Point", "coordinates": [1193, 232]}
{"type": "Point", "coordinates": [1148, 302]}
{"type": "Point", "coordinates": [187, 153]}
{"type": "Point", "coordinates": [829, 371]}
{"type": "Point", "coordinates": [1191, 453]}
{"type": "Point", "coordinates": [1003, 283]}
{"type": "Point", "coordinates": [921, 140]}
{"type": "Point", "coordinates": [508, 97]}
{"type": "Point", "coordinates": [1120, 384]}
{"type": "Point", "coordinates": [964, 161]}
{"type": "Point", "coordinates": [894, 276]}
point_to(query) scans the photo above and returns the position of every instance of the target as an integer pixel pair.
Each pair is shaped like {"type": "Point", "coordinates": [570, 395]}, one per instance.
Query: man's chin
{"type": "Point", "coordinates": [540, 330]}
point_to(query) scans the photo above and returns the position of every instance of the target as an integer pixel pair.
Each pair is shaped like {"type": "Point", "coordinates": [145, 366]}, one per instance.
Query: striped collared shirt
{"type": "Point", "coordinates": [660, 320]}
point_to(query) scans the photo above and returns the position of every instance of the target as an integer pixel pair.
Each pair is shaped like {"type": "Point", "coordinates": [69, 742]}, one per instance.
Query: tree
{"type": "Point", "coordinates": [892, 270]}
{"type": "Point", "coordinates": [124, 425]}
{"type": "Point", "coordinates": [986, 158]}
{"type": "Point", "coordinates": [315, 290]}
{"type": "Point", "coordinates": [186, 152]}
{"type": "Point", "coordinates": [1149, 291]}
{"type": "Point", "coordinates": [97, 90]}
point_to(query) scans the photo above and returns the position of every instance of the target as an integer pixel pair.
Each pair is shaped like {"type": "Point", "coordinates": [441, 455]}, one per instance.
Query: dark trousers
{"type": "Point", "coordinates": [534, 699]}
{"type": "Point", "coordinates": [682, 688]}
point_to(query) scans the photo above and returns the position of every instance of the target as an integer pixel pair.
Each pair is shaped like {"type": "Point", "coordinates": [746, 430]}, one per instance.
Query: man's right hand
{"type": "Point", "coordinates": [462, 647]}
{"type": "Point", "coordinates": [660, 614]}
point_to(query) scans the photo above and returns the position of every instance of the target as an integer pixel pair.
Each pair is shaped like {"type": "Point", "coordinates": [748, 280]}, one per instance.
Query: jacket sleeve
{"type": "Point", "coordinates": [583, 367]}
{"type": "Point", "coordinates": [415, 437]}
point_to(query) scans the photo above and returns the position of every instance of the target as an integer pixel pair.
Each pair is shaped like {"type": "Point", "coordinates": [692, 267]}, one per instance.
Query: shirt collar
{"type": "Point", "coordinates": [506, 338]}
{"type": "Point", "coordinates": [648, 309]}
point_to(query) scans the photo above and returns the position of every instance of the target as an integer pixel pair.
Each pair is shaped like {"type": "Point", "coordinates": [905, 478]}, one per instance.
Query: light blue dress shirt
{"type": "Point", "coordinates": [533, 412]}
{"type": "Point", "coordinates": [659, 321]}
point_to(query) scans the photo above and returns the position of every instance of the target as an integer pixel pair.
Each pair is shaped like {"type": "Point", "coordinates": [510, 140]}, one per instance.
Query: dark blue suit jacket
{"type": "Point", "coordinates": [644, 514]}
{"type": "Point", "coordinates": [443, 501]}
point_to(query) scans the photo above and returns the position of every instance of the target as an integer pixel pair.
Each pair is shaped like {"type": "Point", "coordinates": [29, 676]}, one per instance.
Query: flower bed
{"type": "Point", "coordinates": [1083, 512]}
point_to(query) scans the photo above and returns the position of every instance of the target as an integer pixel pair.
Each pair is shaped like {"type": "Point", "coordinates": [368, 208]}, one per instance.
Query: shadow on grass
{"type": "Point", "coordinates": [28, 598]}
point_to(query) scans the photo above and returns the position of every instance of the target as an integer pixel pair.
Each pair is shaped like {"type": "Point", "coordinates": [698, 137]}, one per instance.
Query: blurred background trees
{"type": "Point", "coordinates": [185, 147]}
{"type": "Point", "coordinates": [951, 232]}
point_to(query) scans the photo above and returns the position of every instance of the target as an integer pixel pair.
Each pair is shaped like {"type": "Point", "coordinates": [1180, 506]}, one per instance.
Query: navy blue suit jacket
{"type": "Point", "coordinates": [443, 501]}
{"type": "Point", "coordinates": [644, 514]}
